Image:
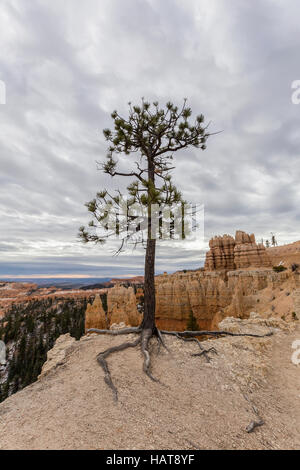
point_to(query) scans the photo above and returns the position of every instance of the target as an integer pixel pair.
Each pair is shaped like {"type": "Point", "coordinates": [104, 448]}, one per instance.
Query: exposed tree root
{"type": "Point", "coordinates": [211, 333]}
{"type": "Point", "coordinates": [144, 337]}
{"type": "Point", "coordinates": [123, 331]}
{"type": "Point", "coordinates": [101, 358]}
{"type": "Point", "coordinates": [161, 340]}
{"type": "Point", "coordinates": [254, 424]}
{"type": "Point", "coordinates": [203, 352]}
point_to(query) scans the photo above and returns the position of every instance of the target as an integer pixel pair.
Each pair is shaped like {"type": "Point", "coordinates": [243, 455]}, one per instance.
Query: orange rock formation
{"type": "Point", "coordinates": [221, 253]}
{"type": "Point", "coordinates": [212, 296]}
{"type": "Point", "coordinates": [228, 253]}
{"type": "Point", "coordinates": [237, 279]}
{"type": "Point", "coordinates": [286, 254]}
{"type": "Point", "coordinates": [121, 308]}
{"type": "Point", "coordinates": [95, 316]}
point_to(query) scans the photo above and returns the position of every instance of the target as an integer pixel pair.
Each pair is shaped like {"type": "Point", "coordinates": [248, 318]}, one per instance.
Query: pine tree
{"type": "Point", "coordinates": [192, 323]}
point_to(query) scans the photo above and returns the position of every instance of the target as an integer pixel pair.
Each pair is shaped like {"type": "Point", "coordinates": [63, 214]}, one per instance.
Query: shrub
{"type": "Point", "coordinates": [294, 267]}
{"type": "Point", "coordinates": [279, 269]}
{"type": "Point", "coordinates": [294, 316]}
{"type": "Point", "coordinates": [192, 324]}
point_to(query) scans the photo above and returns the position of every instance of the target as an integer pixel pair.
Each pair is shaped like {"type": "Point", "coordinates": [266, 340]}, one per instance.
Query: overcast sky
{"type": "Point", "coordinates": [67, 65]}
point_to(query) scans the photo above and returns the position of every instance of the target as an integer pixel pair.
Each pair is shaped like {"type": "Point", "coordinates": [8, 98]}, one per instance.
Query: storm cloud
{"type": "Point", "coordinates": [68, 65]}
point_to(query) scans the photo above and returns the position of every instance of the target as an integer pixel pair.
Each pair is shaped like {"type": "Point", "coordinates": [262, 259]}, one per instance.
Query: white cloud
{"type": "Point", "coordinates": [68, 64]}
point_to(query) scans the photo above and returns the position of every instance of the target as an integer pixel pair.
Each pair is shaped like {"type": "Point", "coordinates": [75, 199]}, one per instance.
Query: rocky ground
{"type": "Point", "coordinates": [199, 405]}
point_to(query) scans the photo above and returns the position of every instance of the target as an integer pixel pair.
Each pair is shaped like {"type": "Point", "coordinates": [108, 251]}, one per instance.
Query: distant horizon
{"type": "Point", "coordinates": [59, 276]}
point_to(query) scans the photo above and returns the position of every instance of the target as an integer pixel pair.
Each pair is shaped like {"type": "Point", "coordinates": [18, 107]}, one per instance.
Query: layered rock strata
{"type": "Point", "coordinates": [95, 316]}
{"type": "Point", "coordinates": [228, 253]}
{"type": "Point", "coordinates": [121, 308]}
{"type": "Point", "coordinates": [211, 296]}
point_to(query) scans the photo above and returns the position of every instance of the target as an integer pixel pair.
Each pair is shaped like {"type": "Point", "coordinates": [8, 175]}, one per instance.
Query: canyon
{"type": "Point", "coordinates": [22, 292]}
{"type": "Point", "coordinates": [237, 278]}
{"type": "Point", "coordinates": [237, 289]}
{"type": "Point", "coordinates": [117, 305]}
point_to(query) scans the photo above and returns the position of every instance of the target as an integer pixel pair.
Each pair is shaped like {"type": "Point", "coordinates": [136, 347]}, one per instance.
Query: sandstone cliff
{"type": "Point", "coordinates": [212, 296]}
{"type": "Point", "coordinates": [221, 253]}
{"type": "Point", "coordinates": [228, 253]}
{"type": "Point", "coordinates": [237, 279]}
{"type": "Point", "coordinates": [95, 316]}
{"type": "Point", "coordinates": [198, 292]}
{"type": "Point", "coordinates": [286, 254]}
{"type": "Point", "coordinates": [121, 308]}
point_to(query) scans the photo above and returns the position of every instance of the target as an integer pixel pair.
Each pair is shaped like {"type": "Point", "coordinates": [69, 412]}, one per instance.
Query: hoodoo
{"type": "Point", "coordinates": [228, 253]}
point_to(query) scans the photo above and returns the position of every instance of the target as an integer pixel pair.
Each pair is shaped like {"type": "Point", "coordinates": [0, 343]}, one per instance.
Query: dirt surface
{"type": "Point", "coordinates": [286, 254]}
{"type": "Point", "coordinates": [199, 406]}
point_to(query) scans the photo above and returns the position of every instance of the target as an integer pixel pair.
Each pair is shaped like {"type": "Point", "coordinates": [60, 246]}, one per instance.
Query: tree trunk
{"type": "Point", "coordinates": [149, 287]}
{"type": "Point", "coordinates": [149, 284]}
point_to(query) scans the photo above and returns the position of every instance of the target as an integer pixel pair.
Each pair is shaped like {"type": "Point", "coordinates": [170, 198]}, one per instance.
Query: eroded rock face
{"type": "Point", "coordinates": [181, 293]}
{"type": "Point", "coordinates": [238, 277]}
{"type": "Point", "coordinates": [221, 253]}
{"type": "Point", "coordinates": [255, 324]}
{"type": "Point", "coordinates": [122, 307]}
{"type": "Point", "coordinates": [212, 296]}
{"type": "Point", "coordinates": [95, 316]}
{"type": "Point", "coordinates": [57, 356]}
{"type": "Point", "coordinates": [285, 254]}
{"type": "Point", "coordinates": [247, 253]}
{"type": "Point", "coordinates": [228, 253]}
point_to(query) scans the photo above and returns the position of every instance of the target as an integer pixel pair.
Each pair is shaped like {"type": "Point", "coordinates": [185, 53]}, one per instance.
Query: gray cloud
{"type": "Point", "coordinates": [67, 65]}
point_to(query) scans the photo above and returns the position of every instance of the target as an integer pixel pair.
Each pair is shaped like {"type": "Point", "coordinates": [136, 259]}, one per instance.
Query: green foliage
{"type": "Point", "coordinates": [104, 302]}
{"type": "Point", "coordinates": [155, 133]}
{"type": "Point", "coordinates": [29, 330]}
{"type": "Point", "coordinates": [192, 324]}
{"type": "Point", "coordinates": [295, 267]}
{"type": "Point", "coordinates": [279, 269]}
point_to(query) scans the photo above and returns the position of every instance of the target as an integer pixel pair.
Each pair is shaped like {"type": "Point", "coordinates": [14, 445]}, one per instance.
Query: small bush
{"type": "Point", "coordinates": [294, 267]}
{"type": "Point", "coordinates": [294, 316]}
{"type": "Point", "coordinates": [279, 269]}
{"type": "Point", "coordinates": [192, 324]}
